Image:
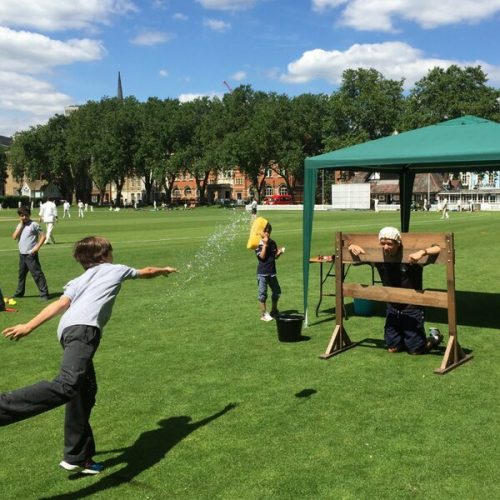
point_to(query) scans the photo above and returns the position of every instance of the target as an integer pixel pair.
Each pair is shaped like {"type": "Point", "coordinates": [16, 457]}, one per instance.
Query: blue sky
{"type": "Point", "coordinates": [54, 53]}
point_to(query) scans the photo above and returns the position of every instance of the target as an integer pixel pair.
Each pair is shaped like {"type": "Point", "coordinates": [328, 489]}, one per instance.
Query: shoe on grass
{"type": "Point", "coordinates": [433, 341]}
{"type": "Point", "coordinates": [88, 467]}
{"type": "Point", "coordinates": [266, 317]}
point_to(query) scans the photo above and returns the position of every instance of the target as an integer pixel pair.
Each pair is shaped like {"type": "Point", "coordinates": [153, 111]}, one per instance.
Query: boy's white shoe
{"type": "Point", "coordinates": [266, 317]}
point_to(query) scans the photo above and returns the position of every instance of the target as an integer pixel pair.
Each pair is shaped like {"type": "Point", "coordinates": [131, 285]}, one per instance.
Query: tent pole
{"type": "Point", "coordinates": [406, 179]}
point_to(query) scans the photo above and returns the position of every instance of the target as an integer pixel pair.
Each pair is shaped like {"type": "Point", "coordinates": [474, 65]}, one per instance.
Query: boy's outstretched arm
{"type": "Point", "coordinates": [153, 272]}
{"type": "Point", "coordinates": [53, 309]}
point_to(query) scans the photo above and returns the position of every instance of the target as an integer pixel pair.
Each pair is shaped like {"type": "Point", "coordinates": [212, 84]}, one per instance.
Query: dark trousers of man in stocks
{"type": "Point", "coordinates": [75, 386]}
{"type": "Point", "coordinates": [405, 328]}
{"type": "Point", "coordinates": [31, 263]}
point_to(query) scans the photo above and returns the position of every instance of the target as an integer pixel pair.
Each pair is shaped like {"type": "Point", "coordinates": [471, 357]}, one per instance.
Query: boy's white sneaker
{"type": "Point", "coordinates": [266, 317]}
{"type": "Point", "coordinates": [88, 467]}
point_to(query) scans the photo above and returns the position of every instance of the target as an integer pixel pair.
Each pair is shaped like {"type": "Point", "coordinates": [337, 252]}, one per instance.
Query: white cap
{"type": "Point", "coordinates": [389, 233]}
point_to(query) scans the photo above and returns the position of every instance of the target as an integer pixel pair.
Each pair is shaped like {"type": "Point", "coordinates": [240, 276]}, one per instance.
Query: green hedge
{"type": "Point", "coordinates": [13, 201]}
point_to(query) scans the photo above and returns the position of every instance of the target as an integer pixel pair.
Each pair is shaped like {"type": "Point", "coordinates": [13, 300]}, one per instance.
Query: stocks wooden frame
{"type": "Point", "coordinates": [411, 242]}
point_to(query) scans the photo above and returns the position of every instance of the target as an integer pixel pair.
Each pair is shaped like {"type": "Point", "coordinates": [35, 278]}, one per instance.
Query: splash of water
{"type": "Point", "coordinates": [211, 252]}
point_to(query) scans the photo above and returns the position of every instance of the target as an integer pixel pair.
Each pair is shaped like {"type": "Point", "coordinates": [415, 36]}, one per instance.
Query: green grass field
{"type": "Point", "coordinates": [199, 399]}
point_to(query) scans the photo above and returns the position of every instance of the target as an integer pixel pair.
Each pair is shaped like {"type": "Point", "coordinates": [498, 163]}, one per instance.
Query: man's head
{"type": "Point", "coordinates": [93, 250]}
{"type": "Point", "coordinates": [390, 239]}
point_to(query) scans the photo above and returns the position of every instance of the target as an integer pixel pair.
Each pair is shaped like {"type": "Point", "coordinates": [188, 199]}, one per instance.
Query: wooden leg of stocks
{"type": "Point", "coordinates": [339, 342]}
{"type": "Point", "coordinates": [454, 356]}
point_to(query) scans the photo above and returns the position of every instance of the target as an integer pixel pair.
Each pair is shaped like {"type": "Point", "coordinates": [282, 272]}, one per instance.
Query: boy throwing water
{"type": "Point", "coordinates": [86, 306]}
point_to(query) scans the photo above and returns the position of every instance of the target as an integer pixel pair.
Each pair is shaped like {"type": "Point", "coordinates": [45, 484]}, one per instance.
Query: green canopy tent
{"type": "Point", "coordinates": [468, 142]}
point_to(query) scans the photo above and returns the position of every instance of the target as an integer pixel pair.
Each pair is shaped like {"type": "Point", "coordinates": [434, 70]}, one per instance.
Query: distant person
{"type": "Point", "coordinates": [404, 323]}
{"type": "Point", "coordinates": [375, 204]}
{"type": "Point", "coordinates": [253, 209]}
{"type": "Point", "coordinates": [30, 239]}
{"type": "Point", "coordinates": [267, 252]}
{"type": "Point", "coordinates": [86, 307]}
{"type": "Point", "coordinates": [48, 215]}
{"type": "Point", "coordinates": [81, 207]}
{"type": "Point", "coordinates": [85, 207]}
{"type": "Point", "coordinates": [66, 212]}
{"type": "Point", "coordinates": [445, 210]}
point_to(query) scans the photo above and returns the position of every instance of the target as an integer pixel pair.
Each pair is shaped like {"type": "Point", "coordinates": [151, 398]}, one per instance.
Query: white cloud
{"type": "Point", "coordinates": [217, 25]}
{"type": "Point", "coordinates": [239, 76]}
{"type": "Point", "coordinates": [33, 53]}
{"type": "Point", "coordinates": [55, 15]}
{"type": "Point", "coordinates": [149, 38]}
{"type": "Point", "coordinates": [227, 4]}
{"type": "Point", "coordinates": [178, 16]}
{"type": "Point", "coordinates": [27, 50]}
{"type": "Point", "coordinates": [395, 60]}
{"type": "Point", "coordinates": [164, 73]}
{"type": "Point", "coordinates": [381, 14]}
{"type": "Point", "coordinates": [193, 97]}
{"type": "Point", "coordinates": [26, 101]}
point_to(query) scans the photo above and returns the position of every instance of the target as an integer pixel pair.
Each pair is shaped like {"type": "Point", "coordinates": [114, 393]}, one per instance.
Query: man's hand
{"type": "Point", "coordinates": [355, 249]}
{"type": "Point", "coordinates": [416, 256]}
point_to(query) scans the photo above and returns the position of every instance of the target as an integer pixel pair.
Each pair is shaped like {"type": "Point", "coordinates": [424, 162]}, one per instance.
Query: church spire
{"type": "Point", "coordinates": [120, 91]}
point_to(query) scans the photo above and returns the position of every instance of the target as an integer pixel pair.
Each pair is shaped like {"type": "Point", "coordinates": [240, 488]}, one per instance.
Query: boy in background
{"type": "Point", "coordinates": [267, 252]}
{"type": "Point", "coordinates": [86, 306]}
{"type": "Point", "coordinates": [30, 239]}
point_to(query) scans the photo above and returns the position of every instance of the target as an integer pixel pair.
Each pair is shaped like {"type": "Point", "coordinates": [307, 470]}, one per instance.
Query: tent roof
{"type": "Point", "coordinates": [468, 141]}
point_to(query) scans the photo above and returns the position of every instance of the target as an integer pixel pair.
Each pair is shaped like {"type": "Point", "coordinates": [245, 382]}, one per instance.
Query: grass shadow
{"type": "Point", "coordinates": [476, 309]}
{"type": "Point", "coordinates": [150, 448]}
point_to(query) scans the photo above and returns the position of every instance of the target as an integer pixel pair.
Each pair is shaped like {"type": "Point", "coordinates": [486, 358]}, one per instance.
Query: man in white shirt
{"type": "Point", "coordinates": [48, 215]}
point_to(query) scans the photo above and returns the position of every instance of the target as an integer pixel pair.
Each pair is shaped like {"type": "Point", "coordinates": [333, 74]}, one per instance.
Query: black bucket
{"type": "Point", "coordinates": [289, 327]}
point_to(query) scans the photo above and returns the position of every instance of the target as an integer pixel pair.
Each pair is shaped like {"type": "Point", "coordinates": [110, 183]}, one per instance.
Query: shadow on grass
{"type": "Point", "coordinates": [479, 309]}
{"type": "Point", "coordinates": [305, 393]}
{"type": "Point", "coordinates": [380, 344]}
{"type": "Point", "coordinates": [150, 448]}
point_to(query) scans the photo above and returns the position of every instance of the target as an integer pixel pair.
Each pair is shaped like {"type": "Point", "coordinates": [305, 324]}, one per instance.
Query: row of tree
{"type": "Point", "coordinates": [107, 141]}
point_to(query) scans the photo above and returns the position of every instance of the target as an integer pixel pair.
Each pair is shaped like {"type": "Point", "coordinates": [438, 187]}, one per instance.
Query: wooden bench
{"type": "Point", "coordinates": [411, 242]}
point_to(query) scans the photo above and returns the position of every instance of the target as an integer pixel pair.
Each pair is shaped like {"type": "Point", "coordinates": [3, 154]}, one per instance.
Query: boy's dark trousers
{"type": "Point", "coordinates": [31, 263]}
{"type": "Point", "coordinates": [75, 385]}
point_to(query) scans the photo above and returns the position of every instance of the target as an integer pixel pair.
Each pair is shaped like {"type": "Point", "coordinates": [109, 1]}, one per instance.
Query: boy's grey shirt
{"type": "Point", "coordinates": [93, 295]}
{"type": "Point", "coordinates": [29, 237]}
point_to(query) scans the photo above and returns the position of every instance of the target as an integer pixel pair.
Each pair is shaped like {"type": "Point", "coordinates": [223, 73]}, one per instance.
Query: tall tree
{"type": "Point", "coordinates": [157, 143]}
{"type": "Point", "coordinates": [243, 141]}
{"type": "Point", "coordinates": [118, 142]}
{"type": "Point", "coordinates": [366, 106]}
{"type": "Point", "coordinates": [450, 93]}
{"type": "Point", "coordinates": [297, 134]}
{"type": "Point", "coordinates": [82, 136]}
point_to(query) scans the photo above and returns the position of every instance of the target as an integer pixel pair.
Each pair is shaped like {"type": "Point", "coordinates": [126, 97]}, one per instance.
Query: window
{"type": "Point", "coordinates": [283, 189]}
{"type": "Point", "coordinates": [269, 190]}
{"type": "Point", "coordinates": [269, 172]}
{"type": "Point", "coordinates": [239, 180]}
{"type": "Point", "coordinates": [187, 192]}
{"type": "Point", "coordinates": [176, 193]}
